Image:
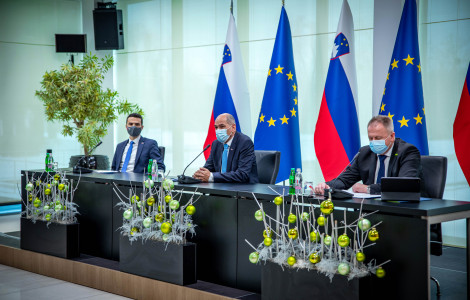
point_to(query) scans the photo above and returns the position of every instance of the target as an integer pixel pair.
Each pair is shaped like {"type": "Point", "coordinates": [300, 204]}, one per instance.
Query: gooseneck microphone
{"type": "Point", "coordinates": [188, 179]}
{"type": "Point", "coordinates": [337, 193]}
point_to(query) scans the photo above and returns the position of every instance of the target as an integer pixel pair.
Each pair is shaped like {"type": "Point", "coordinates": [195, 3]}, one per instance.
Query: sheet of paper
{"type": "Point", "coordinates": [365, 196]}
{"type": "Point", "coordinates": [105, 171]}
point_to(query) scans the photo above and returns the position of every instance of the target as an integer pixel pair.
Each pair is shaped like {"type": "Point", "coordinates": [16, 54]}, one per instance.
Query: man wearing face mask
{"type": "Point", "coordinates": [386, 156]}
{"type": "Point", "coordinates": [232, 157]}
{"type": "Point", "coordinates": [133, 154]}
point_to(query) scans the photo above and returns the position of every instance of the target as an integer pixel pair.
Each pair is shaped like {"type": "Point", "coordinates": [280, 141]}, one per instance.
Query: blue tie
{"type": "Point", "coordinates": [381, 172]}
{"type": "Point", "coordinates": [128, 157]}
{"type": "Point", "coordinates": [224, 158]}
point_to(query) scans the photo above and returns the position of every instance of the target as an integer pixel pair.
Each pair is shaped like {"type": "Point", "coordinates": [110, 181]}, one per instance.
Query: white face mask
{"type": "Point", "coordinates": [222, 135]}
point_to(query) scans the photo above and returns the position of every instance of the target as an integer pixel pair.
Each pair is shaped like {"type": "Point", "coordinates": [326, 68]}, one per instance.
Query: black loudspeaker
{"type": "Point", "coordinates": [109, 33]}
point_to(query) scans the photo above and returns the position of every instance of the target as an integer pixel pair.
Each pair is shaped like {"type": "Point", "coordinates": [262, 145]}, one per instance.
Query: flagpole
{"type": "Point", "coordinates": [282, 2]}
{"type": "Point", "coordinates": [231, 7]}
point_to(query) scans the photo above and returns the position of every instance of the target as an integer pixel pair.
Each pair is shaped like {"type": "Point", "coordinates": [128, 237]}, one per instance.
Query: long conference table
{"type": "Point", "coordinates": [225, 218]}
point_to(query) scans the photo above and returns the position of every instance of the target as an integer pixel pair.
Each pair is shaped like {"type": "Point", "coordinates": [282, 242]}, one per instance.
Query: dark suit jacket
{"type": "Point", "coordinates": [148, 149]}
{"type": "Point", "coordinates": [241, 161]}
{"type": "Point", "coordinates": [405, 161]}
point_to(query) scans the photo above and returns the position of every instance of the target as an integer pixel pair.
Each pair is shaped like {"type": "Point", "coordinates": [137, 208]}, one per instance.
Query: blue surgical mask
{"type": "Point", "coordinates": [378, 146]}
{"type": "Point", "coordinates": [222, 135]}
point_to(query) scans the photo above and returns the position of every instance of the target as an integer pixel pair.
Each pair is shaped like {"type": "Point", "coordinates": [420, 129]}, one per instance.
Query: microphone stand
{"type": "Point", "coordinates": [79, 169]}
{"type": "Point", "coordinates": [188, 179]}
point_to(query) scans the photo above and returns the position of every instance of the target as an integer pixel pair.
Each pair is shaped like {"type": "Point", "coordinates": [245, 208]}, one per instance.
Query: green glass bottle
{"type": "Point", "coordinates": [292, 181]}
{"type": "Point", "coordinates": [149, 168]}
{"type": "Point", "coordinates": [49, 161]}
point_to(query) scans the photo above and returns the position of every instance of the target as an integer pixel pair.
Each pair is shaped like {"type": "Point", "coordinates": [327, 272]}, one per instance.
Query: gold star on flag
{"type": "Point", "coordinates": [295, 87]}
{"type": "Point", "coordinates": [390, 116]}
{"type": "Point", "coordinates": [271, 122]}
{"type": "Point", "coordinates": [290, 75]}
{"type": "Point", "coordinates": [424, 112]}
{"type": "Point", "coordinates": [261, 118]}
{"type": "Point", "coordinates": [409, 60]}
{"type": "Point", "coordinates": [293, 112]}
{"type": "Point", "coordinates": [279, 69]}
{"type": "Point", "coordinates": [394, 64]}
{"type": "Point", "coordinates": [418, 120]}
{"type": "Point", "coordinates": [295, 100]}
{"type": "Point", "coordinates": [284, 120]}
{"type": "Point", "coordinates": [384, 90]}
{"type": "Point", "coordinates": [419, 67]}
{"type": "Point", "coordinates": [388, 76]}
{"type": "Point", "coordinates": [403, 122]}
{"type": "Point", "coordinates": [269, 72]}
{"type": "Point", "coordinates": [382, 108]}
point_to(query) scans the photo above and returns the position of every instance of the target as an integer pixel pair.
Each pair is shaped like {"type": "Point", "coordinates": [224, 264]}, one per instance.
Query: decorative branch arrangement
{"type": "Point", "coordinates": [312, 239]}
{"type": "Point", "coordinates": [49, 197]}
{"type": "Point", "coordinates": [156, 214]}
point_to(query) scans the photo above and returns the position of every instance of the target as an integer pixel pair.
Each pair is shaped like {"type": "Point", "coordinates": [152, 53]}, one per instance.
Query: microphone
{"type": "Point", "coordinates": [79, 169]}
{"type": "Point", "coordinates": [188, 179]}
{"type": "Point", "coordinates": [337, 193]}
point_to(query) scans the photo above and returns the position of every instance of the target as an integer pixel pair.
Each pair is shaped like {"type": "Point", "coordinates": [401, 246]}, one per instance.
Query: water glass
{"type": "Point", "coordinates": [308, 188]}
{"type": "Point", "coordinates": [160, 175]}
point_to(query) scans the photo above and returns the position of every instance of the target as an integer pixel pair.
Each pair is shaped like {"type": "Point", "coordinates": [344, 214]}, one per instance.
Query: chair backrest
{"type": "Point", "coordinates": [162, 152]}
{"type": "Point", "coordinates": [434, 175]}
{"type": "Point", "coordinates": [268, 165]}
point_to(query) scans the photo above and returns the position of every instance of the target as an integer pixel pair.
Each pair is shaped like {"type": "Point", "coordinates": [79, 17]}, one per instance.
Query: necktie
{"type": "Point", "coordinates": [381, 172]}
{"type": "Point", "coordinates": [224, 158]}
{"type": "Point", "coordinates": [128, 157]}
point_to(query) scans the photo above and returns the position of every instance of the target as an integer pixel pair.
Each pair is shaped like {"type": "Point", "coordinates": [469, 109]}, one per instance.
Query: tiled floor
{"type": "Point", "coordinates": [19, 284]}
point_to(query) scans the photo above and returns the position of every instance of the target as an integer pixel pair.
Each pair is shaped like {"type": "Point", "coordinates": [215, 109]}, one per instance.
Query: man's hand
{"type": "Point", "coordinates": [320, 188]}
{"type": "Point", "coordinates": [202, 174]}
{"type": "Point", "coordinates": [360, 188]}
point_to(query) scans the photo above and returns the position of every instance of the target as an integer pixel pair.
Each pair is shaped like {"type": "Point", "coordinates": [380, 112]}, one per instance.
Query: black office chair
{"type": "Point", "coordinates": [268, 165]}
{"type": "Point", "coordinates": [434, 177]}
{"type": "Point", "coordinates": [162, 152]}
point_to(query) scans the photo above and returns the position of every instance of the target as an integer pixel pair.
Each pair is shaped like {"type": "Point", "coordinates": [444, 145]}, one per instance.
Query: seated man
{"type": "Point", "coordinates": [232, 157]}
{"type": "Point", "coordinates": [386, 156]}
{"type": "Point", "coordinates": [133, 154]}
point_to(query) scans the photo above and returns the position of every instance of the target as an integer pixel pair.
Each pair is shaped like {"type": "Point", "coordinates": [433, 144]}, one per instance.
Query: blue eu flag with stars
{"type": "Point", "coordinates": [278, 121]}
{"type": "Point", "coordinates": [402, 98]}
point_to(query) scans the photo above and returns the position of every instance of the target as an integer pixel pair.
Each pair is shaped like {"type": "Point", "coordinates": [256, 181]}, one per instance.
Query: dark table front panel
{"type": "Point", "coordinates": [95, 205]}
{"type": "Point", "coordinates": [216, 239]}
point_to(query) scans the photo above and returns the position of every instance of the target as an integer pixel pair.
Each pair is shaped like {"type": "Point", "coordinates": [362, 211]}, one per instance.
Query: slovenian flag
{"type": "Point", "coordinates": [336, 136]}
{"type": "Point", "coordinates": [232, 91]}
{"type": "Point", "coordinates": [462, 129]}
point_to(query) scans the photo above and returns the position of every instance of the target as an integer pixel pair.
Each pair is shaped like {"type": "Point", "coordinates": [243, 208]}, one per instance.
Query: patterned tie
{"type": "Point", "coordinates": [128, 157]}
{"type": "Point", "coordinates": [224, 158]}
{"type": "Point", "coordinates": [381, 172]}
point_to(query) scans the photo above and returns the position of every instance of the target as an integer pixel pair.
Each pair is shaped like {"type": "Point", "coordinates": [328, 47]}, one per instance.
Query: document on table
{"type": "Point", "coordinates": [365, 196]}
{"type": "Point", "coordinates": [105, 171]}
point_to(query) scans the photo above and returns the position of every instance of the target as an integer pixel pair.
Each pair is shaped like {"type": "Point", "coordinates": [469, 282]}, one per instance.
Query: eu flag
{"type": "Point", "coordinates": [402, 99]}
{"type": "Point", "coordinates": [278, 122]}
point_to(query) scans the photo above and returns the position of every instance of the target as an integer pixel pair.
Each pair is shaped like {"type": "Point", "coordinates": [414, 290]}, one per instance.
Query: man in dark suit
{"type": "Point", "coordinates": [386, 156]}
{"type": "Point", "coordinates": [232, 157]}
{"type": "Point", "coordinates": [133, 154]}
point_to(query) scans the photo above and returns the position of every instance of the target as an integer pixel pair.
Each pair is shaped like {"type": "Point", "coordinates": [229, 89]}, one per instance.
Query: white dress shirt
{"type": "Point", "coordinates": [130, 166]}
{"type": "Point", "coordinates": [229, 143]}
{"type": "Point", "coordinates": [386, 163]}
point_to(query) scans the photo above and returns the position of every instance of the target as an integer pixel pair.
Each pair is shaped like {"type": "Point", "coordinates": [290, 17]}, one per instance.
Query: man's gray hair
{"type": "Point", "coordinates": [384, 120]}
{"type": "Point", "coordinates": [230, 119]}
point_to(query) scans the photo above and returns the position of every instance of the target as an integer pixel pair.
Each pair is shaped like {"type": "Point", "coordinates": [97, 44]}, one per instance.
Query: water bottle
{"type": "Point", "coordinates": [292, 182]}
{"type": "Point", "coordinates": [298, 182]}
{"type": "Point", "coordinates": [49, 161]}
{"type": "Point", "coordinates": [154, 170]}
{"type": "Point", "coordinates": [149, 168]}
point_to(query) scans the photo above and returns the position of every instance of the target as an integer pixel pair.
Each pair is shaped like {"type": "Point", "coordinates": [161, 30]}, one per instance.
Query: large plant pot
{"type": "Point", "coordinates": [56, 239]}
{"type": "Point", "coordinates": [291, 283]}
{"type": "Point", "coordinates": [98, 162]}
{"type": "Point", "coordinates": [170, 263]}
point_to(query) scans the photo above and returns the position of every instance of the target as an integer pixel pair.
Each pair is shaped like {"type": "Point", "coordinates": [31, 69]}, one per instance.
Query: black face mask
{"type": "Point", "coordinates": [134, 131]}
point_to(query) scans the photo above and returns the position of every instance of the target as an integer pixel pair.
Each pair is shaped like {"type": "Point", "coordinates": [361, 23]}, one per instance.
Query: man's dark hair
{"type": "Point", "coordinates": [135, 115]}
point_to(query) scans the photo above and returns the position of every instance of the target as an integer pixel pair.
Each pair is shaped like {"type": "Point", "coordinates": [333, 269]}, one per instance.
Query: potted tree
{"type": "Point", "coordinates": [74, 96]}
